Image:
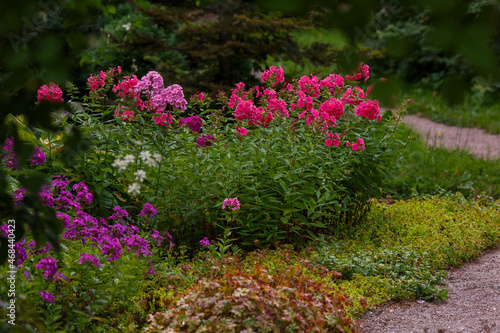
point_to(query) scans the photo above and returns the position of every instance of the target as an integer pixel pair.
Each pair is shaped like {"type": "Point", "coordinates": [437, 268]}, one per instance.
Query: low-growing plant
{"type": "Point", "coordinates": [241, 302]}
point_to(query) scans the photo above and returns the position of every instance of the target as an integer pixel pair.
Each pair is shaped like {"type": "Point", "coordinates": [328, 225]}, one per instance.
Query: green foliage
{"type": "Point", "coordinates": [424, 169]}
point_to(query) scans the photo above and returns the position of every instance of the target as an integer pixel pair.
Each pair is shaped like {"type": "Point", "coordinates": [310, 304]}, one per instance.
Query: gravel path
{"type": "Point", "coordinates": [473, 304]}
{"type": "Point", "coordinates": [474, 140]}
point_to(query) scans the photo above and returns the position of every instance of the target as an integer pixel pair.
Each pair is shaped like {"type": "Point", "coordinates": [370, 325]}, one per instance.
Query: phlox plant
{"type": "Point", "coordinates": [302, 157]}
{"type": "Point", "coordinates": [94, 283]}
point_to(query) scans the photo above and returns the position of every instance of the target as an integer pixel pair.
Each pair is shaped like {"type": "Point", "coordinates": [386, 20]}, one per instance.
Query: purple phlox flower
{"type": "Point", "coordinates": [118, 214]}
{"type": "Point", "coordinates": [148, 210]}
{"type": "Point", "coordinates": [94, 261]}
{"type": "Point", "coordinates": [117, 230]}
{"type": "Point", "coordinates": [168, 235]}
{"type": "Point", "coordinates": [84, 198]}
{"type": "Point", "coordinates": [64, 218]}
{"type": "Point", "coordinates": [194, 123]}
{"type": "Point", "coordinates": [65, 200]}
{"type": "Point", "coordinates": [38, 157]}
{"type": "Point", "coordinates": [47, 198]}
{"type": "Point", "coordinates": [39, 251]}
{"type": "Point", "coordinates": [89, 220]}
{"type": "Point", "coordinates": [151, 270]}
{"type": "Point", "coordinates": [61, 276]}
{"type": "Point", "coordinates": [205, 140]}
{"type": "Point", "coordinates": [205, 242]}
{"type": "Point", "coordinates": [8, 154]}
{"type": "Point", "coordinates": [157, 237]}
{"type": "Point", "coordinates": [4, 230]}
{"type": "Point", "coordinates": [59, 183]}
{"type": "Point", "coordinates": [19, 196]}
{"type": "Point", "coordinates": [77, 230]}
{"type": "Point", "coordinates": [151, 84]}
{"type": "Point", "coordinates": [137, 244]}
{"type": "Point", "coordinates": [111, 247]}
{"type": "Point", "coordinates": [132, 230]}
{"type": "Point", "coordinates": [80, 187]}
{"type": "Point", "coordinates": [20, 252]}
{"type": "Point", "coordinates": [26, 274]}
{"type": "Point", "coordinates": [232, 204]}
{"type": "Point", "coordinates": [49, 267]}
{"type": "Point", "coordinates": [46, 296]}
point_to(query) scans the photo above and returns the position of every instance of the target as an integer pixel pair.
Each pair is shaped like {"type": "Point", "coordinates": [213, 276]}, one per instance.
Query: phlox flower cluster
{"type": "Point", "coordinates": [8, 154]}
{"type": "Point", "coordinates": [242, 131]}
{"type": "Point", "coordinates": [94, 261]}
{"type": "Point", "coordinates": [122, 163]}
{"type": "Point", "coordinates": [160, 239]}
{"type": "Point", "coordinates": [194, 123]}
{"type": "Point", "coordinates": [369, 109]}
{"type": "Point", "coordinates": [205, 242]}
{"type": "Point", "coordinates": [124, 113]}
{"type": "Point", "coordinates": [50, 92]}
{"type": "Point", "coordinates": [273, 75]}
{"type": "Point", "coordinates": [231, 203]}
{"type": "Point", "coordinates": [48, 266]}
{"type": "Point", "coordinates": [363, 74]}
{"type": "Point", "coordinates": [47, 297]}
{"type": "Point", "coordinates": [148, 210]}
{"type": "Point", "coordinates": [96, 81]}
{"type": "Point", "coordinates": [205, 140]}
{"type": "Point", "coordinates": [360, 143]}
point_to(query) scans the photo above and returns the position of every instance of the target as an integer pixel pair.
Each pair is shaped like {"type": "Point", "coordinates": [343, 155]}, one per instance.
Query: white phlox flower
{"type": "Point", "coordinates": [134, 189]}
{"type": "Point", "coordinates": [145, 155]}
{"type": "Point", "coordinates": [157, 157]}
{"type": "Point", "coordinates": [140, 175]}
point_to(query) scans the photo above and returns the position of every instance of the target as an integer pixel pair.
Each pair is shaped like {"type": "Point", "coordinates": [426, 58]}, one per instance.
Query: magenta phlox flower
{"type": "Point", "coordinates": [80, 187]}
{"type": "Point", "coordinates": [172, 95]}
{"type": "Point", "coordinates": [194, 123]}
{"type": "Point", "coordinates": [136, 244]}
{"type": "Point", "coordinates": [65, 201]}
{"type": "Point", "coordinates": [205, 140]}
{"type": "Point", "coordinates": [148, 210]}
{"type": "Point", "coordinates": [48, 266]}
{"type": "Point", "coordinates": [331, 108]}
{"type": "Point", "coordinates": [20, 251]}
{"type": "Point", "coordinates": [47, 297]}
{"type": "Point", "coordinates": [117, 230]}
{"type": "Point", "coordinates": [332, 82]}
{"type": "Point", "coordinates": [89, 258]}
{"type": "Point", "coordinates": [84, 198]}
{"type": "Point", "coordinates": [119, 214]}
{"type": "Point", "coordinates": [38, 157]}
{"type": "Point", "coordinates": [46, 198]}
{"type": "Point", "coordinates": [164, 119]}
{"type": "Point", "coordinates": [111, 247]}
{"type": "Point", "coordinates": [8, 154]}
{"type": "Point", "coordinates": [59, 183]}
{"type": "Point", "coordinates": [51, 93]}
{"type": "Point", "coordinates": [151, 84]}
{"type": "Point", "coordinates": [64, 218]}
{"type": "Point", "coordinates": [155, 235]}
{"type": "Point", "coordinates": [132, 230]}
{"type": "Point", "coordinates": [232, 204]}
{"type": "Point", "coordinates": [205, 242]}
{"type": "Point", "coordinates": [93, 82]}
{"type": "Point", "coordinates": [241, 130]}
{"type": "Point", "coordinates": [4, 230]}
{"type": "Point", "coordinates": [18, 196]}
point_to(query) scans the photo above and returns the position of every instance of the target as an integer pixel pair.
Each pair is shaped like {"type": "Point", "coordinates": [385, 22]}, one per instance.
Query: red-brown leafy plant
{"type": "Point", "coordinates": [256, 302]}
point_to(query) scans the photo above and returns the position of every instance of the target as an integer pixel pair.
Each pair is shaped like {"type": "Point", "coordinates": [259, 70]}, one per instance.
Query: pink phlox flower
{"type": "Point", "coordinates": [328, 142]}
{"type": "Point", "coordinates": [119, 214]}
{"type": "Point", "coordinates": [369, 109]}
{"type": "Point", "coordinates": [231, 203]}
{"type": "Point", "coordinates": [331, 108]}
{"type": "Point", "coordinates": [165, 119]}
{"type": "Point", "coordinates": [93, 82]}
{"type": "Point", "coordinates": [273, 75]}
{"type": "Point", "coordinates": [51, 93]}
{"type": "Point", "coordinates": [278, 106]}
{"type": "Point", "coordinates": [136, 244]}
{"type": "Point", "coordinates": [172, 95]}
{"type": "Point", "coordinates": [18, 196]}
{"type": "Point", "coordinates": [361, 142]}
{"type": "Point", "coordinates": [111, 247]}
{"type": "Point", "coordinates": [332, 82]}
{"type": "Point", "coordinates": [347, 144]}
{"type": "Point", "coordinates": [310, 85]}
{"type": "Point", "coordinates": [150, 84]}
{"type": "Point", "coordinates": [94, 261]}
{"type": "Point", "coordinates": [241, 130]}
{"type": "Point", "coordinates": [353, 96]}
{"type": "Point", "coordinates": [354, 146]}
{"type": "Point", "coordinates": [156, 236]}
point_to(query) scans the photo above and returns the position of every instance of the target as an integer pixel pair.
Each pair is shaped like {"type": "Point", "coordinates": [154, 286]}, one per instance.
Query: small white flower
{"type": "Point", "coordinates": [145, 155]}
{"type": "Point", "coordinates": [120, 164]}
{"type": "Point", "coordinates": [134, 189]}
{"type": "Point", "coordinates": [157, 157]}
{"type": "Point", "coordinates": [150, 162]}
{"type": "Point", "coordinates": [126, 26]}
{"type": "Point", "coordinates": [140, 175]}
{"type": "Point", "coordinates": [138, 142]}
{"type": "Point", "coordinates": [129, 158]}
